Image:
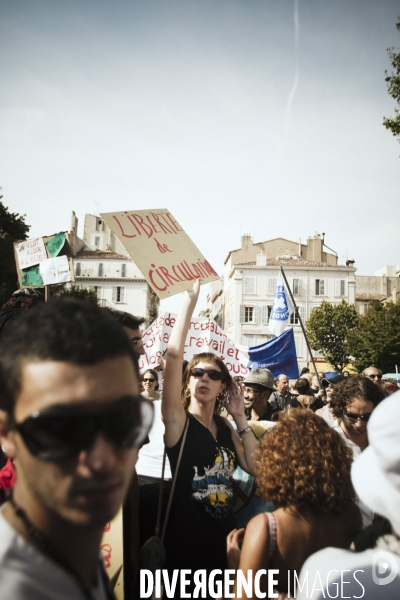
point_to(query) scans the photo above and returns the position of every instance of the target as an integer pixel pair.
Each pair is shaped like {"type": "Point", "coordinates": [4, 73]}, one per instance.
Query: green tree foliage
{"type": "Point", "coordinates": [12, 229]}
{"type": "Point", "coordinates": [74, 291]}
{"type": "Point", "coordinates": [328, 329]}
{"type": "Point", "coordinates": [393, 86]}
{"type": "Point", "coordinates": [377, 339]}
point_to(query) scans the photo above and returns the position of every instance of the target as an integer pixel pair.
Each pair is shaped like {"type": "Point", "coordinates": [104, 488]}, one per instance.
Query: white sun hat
{"type": "Point", "coordinates": [376, 472]}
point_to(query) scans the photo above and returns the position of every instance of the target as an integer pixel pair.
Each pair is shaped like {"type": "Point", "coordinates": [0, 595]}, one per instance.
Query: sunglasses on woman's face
{"type": "Point", "coordinates": [213, 374]}
{"type": "Point", "coordinates": [150, 379]}
{"type": "Point", "coordinates": [353, 416]}
{"type": "Point", "coordinates": [63, 431]}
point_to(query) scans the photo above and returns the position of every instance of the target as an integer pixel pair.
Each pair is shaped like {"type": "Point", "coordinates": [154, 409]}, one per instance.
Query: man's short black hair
{"type": "Point", "coordinates": [67, 330]}
{"type": "Point", "coordinates": [124, 318]}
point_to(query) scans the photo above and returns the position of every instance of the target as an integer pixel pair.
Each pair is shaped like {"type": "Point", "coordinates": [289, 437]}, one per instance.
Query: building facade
{"type": "Point", "coordinates": [384, 286]}
{"type": "Point", "coordinates": [247, 290]}
{"type": "Point", "coordinates": [101, 262]}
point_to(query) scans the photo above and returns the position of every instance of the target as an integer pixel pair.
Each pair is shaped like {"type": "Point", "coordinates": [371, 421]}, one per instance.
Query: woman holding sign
{"type": "Point", "coordinates": [202, 515]}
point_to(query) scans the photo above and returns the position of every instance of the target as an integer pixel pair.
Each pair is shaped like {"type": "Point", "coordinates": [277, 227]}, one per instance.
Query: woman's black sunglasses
{"type": "Point", "coordinates": [63, 431]}
{"type": "Point", "coordinates": [213, 374]}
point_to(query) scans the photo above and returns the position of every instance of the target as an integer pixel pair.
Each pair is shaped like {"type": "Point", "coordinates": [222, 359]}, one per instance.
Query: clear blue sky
{"type": "Point", "coordinates": [259, 116]}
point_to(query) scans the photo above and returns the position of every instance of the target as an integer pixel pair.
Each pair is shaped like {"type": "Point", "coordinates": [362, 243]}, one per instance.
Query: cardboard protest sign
{"type": "Point", "coordinates": [112, 550]}
{"type": "Point", "coordinates": [30, 252]}
{"type": "Point", "coordinates": [44, 261]}
{"type": "Point", "coordinates": [204, 335]}
{"type": "Point", "coordinates": [164, 253]}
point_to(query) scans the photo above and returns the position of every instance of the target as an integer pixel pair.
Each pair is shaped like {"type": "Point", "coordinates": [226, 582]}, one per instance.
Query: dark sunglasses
{"type": "Point", "coordinates": [149, 379]}
{"type": "Point", "coordinates": [353, 417]}
{"type": "Point", "coordinates": [213, 374]}
{"type": "Point", "coordinates": [374, 376]}
{"type": "Point", "coordinates": [62, 432]}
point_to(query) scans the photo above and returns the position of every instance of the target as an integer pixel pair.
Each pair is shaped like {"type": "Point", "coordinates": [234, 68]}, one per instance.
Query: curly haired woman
{"type": "Point", "coordinates": [303, 467]}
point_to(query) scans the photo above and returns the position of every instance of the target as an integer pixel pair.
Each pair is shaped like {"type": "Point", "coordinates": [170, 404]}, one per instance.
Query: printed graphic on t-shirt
{"type": "Point", "coordinates": [213, 489]}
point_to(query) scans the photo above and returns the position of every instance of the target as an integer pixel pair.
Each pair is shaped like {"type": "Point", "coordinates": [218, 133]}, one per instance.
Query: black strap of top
{"type": "Point", "coordinates": [157, 532]}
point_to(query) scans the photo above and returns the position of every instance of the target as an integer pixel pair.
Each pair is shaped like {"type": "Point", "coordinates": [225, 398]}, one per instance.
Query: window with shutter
{"type": "Point", "coordinates": [296, 287]}
{"type": "Point", "coordinates": [256, 315]}
{"type": "Point", "coordinates": [340, 285]}
{"type": "Point", "coordinates": [242, 313]}
{"type": "Point", "coordinates": [123, 270]}
{"type": "Point", "coordinates": [249, 285]}
{"type": "Point", "coordinates": [265, 314]}
{"type": "Point", "coordinates": [320, 287]}
{"type": "Point", "coordinates": [271, 285]}
{"type": "Point", "coordinates": [101, 270]}
{"type": "Point", "coordinates": [249, 340]}
{"type": "Point", "coordinates": [78, 269]}
{"type": "Point", "coordinates": [249, 314]}
{"type": "Point", "coordinates": [294, 319]}
{"type": "Point", "coordinates": [118, 294]}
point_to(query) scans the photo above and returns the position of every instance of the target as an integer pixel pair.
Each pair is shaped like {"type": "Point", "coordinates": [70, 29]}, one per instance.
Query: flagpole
{"type": "Point", "coordinates": [302, 326]}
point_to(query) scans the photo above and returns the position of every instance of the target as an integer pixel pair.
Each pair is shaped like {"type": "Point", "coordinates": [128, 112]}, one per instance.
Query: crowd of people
{"type": "Point", "coordinates": [81, 429]}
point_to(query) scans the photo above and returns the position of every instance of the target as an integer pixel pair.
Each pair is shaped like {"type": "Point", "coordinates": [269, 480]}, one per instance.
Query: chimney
{"type": "Point", "coordinates": [246, 241]}
{"type": "Point", "coordinates": [261, 260]}
{"type": "Point", "coordinates": [314, 248]}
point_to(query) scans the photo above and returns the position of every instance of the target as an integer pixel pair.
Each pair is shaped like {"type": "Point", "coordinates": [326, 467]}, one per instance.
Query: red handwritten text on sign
{"type": "Point", "coordinates": [31, 252]}
{"type": "Point", "coordinates": [162, 250]}
{"type": "Point", "coordinates": [204, 335]}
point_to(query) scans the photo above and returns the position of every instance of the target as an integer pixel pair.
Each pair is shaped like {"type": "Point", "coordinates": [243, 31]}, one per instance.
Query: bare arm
{"type": "Point", "coordinates": [247, 443]}
{"type": "Point", "coordinates": [173, 413]}
{"type": "Point", "coordinates": [253, 554]}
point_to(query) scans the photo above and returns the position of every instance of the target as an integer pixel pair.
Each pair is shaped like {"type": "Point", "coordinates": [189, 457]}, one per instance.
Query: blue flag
{"type": "Point", "coordinates": [277, 355]}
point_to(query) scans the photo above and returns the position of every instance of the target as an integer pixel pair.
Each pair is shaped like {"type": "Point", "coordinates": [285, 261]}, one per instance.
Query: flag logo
{"type": "Point", "coordinates": [281, 309]}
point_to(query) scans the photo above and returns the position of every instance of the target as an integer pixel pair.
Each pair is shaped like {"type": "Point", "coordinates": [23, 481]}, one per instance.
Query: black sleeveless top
{"type": "Point", "coordinates": [203, 504]}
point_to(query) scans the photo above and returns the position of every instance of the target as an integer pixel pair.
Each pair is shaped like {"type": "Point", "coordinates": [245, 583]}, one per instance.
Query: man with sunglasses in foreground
{"type": "Point", "coordinates": [72, 421]}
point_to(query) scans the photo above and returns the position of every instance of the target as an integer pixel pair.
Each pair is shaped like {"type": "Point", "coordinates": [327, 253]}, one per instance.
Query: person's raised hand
{"type": "Point", "coordinates": [234, 401]}
{"type": "Point", "coordinates": [194, 291]}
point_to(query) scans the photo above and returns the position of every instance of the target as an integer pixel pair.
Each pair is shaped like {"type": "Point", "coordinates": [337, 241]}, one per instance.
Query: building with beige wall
{"type": "Point", "coordinates": [101, 262]}
{"type": "Point", "coordinates": [384, 286]}
{"type": "Point", "coordinates": [246, 292]}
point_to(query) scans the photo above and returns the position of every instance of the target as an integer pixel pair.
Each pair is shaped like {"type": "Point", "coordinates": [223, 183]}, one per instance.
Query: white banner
{"type": "Point", "coordinates": [55, 270]}
{"type": "Point", "coordinates": [204, 335]}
